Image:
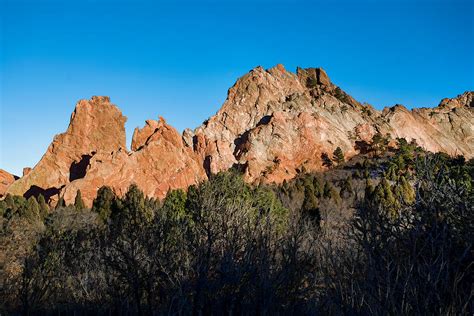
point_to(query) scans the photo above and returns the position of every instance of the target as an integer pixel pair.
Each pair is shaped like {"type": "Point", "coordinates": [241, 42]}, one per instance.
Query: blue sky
{"type": "Point", "coordinates": [177, 59]}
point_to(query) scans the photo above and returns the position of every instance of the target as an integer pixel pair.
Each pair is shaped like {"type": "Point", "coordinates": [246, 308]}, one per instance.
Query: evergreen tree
{"type": "Point", "coordinates": [78, 202]}
{"type": "Point", "coordinates": [31, 211]}
{"type": "Point", "coordinates": [310, 208]}
{"type": "Point", "coordinates": [9, 205]}
{"type": "Point", "coordinates": [61, 203]}
{"type": "Point", "coordinates": [132, 210]}
{"type": "Point", "coordinates": [43, 206]}
{"type": "Point", "coordinates": [338, 155]}
{"type": "Point", "coordinates": [391, 172]}
{"type": "Point", "coordinates": [346, 187]}
{"type": "Point", "coordinates": [369, 190]}
{"type": "Point", "coordinates": [318, 187]}
{"type": "Point", "coordinates": [357, 175]}
{"type": "Point", "coordinates": [379, 143]}
{"type": "Point", "coordinates": [327, 190]}
{"type": "Point", "coordinates": [102, 204]}
{"type": "Point", "coordinates": [407, 192]}
{"type": "Point", "coordinates": [174, 204]}
{"type": "Point", "coordinates": [384, 197]}
{"type": "Point", "coordinates": [3, 208]}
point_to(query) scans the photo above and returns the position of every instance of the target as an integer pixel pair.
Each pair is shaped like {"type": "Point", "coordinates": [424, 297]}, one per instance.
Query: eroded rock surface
{"type": "Point", "coordinates": [6, 179]}
{"type": "Point", "coordinates": [161, 162]}
{"type": "Point", "coordinates": [273, 124]}
{"type": "Point", "coordinates": [96, 126]}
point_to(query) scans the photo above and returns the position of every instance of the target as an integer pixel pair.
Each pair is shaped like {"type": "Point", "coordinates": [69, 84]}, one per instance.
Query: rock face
{"type": "Point", "coordinates": [273, 124]}
{"type": "Point", "coordinates": [6, 179]}
{"type": "Point", "coordinates": [96, 126]}
{"type": "Point", "coordinates": [160, 162]}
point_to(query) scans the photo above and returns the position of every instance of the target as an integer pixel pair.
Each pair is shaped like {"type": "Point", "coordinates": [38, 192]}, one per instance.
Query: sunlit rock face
{"type": "Point", "coordinates": [273, 124]}
{"type": "Point", "coordinates": [160, 162]}
{"type": "Point", "coordinates": [96, 126]}
{"type": "Point", "coordinates": [6, 179]}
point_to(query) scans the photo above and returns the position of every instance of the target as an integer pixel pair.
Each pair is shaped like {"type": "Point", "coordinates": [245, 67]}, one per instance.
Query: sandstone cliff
{"type": "Point", "coordinates": [272, 124]}
{"type": "Point", "coordinates": [6, 179]}
{"type": "Point", "coordinates": [96, 126]}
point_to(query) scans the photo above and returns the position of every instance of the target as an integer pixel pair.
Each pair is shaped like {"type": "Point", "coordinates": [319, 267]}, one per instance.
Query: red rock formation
{"type": "Point", "coordinates": [26, 170]}
{"type": "Point", "coordinates": [272, 124]}
{"type": "Point", "coordinates": [161, 162]}
{"type": "Point", "coordinates": [6, 179]}
{"type": "Point", "coordinates": [96, 126]}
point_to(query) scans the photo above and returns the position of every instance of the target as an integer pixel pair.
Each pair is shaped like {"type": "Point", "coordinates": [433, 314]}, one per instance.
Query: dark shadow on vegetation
{"type": "Point", "coordinates": [362, 146]}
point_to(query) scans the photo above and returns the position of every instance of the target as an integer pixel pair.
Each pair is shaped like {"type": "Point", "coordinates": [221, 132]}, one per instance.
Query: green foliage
{"type": "Point", "coordinates": [312, 82]}
{"type": "Point", "coordinates": [32, 209]}
{"type": "Point", "coordinates": [43, 206]}
{"type": "Point", "coordinates": [61, 203]}
{"type": "Point", "coordinates": [311, 208]}
{"type": "Point", "coordinates": [174, 204]}
{"type": "Point", "coordinates": [347, 188]}
{"type": "Point", "coordinates": [132, 209]}
{"type": "Point", "coordinates": [102, 204]}
{"type": "Point", "coordinates": [327, 190]}
{"type": "Point", "coordinates": [341, 95]}
{"type": "Point", "coordinates": [379, 144]}
{"type": "Point", "coordinates": [338, 155]}
{"type": "Point", "coordinates": [406, 192]}
{"type": "Point", "coordinates": [268, 205]}
{"type": "Point", "coordinates": [78, 202]}
{"type": "Point", "coordinates": [229, 247]}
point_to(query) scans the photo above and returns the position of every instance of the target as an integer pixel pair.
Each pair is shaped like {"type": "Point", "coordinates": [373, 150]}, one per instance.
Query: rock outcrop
{"type": "Point", "coordinates": [6, 179]}
{"type": "Point", "coordinates": [273, 124]}
{"type": "Point", "coordinates": [96, 126]}
{"type": "Point", "coordinates": [161, 161]}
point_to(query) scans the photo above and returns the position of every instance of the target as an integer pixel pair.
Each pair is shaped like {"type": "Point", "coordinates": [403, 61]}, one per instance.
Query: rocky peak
{"type": "Point", "coordinates": [463, 100]}
{"type": "Point", "coordinates": [311, 77]}
{"type": "Point", "coordinates": [272, 124]}
{"type": "Point", "coordinates": [96, 125]}
{"type": "Point", "coordinates": [154, 131]}
{"type": "Point", "coordinates": [6, 179]}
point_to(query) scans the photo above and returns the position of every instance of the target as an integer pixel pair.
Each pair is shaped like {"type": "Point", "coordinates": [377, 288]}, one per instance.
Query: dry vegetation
{"type": "Point", "coordinates": [390, 234]}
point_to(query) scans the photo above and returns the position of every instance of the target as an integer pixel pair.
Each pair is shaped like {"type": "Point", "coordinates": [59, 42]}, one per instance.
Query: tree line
{"type": "Point", "coordinates": [402, 246]}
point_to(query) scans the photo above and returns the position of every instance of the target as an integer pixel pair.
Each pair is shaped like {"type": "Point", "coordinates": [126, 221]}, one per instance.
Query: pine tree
{"type": "Point", "coordinates": [346, 187]}
{"type": "Point", "coordinates": [338, 155]}
{"type": "Point", "coordinates": [318, 187]}
{"type": "Point", "coordinates": [327, 190]}
{"type": "Point", "coordinates": [102, 204]}
{"type": "Point", "coordinates": [175, 204]}
{"type": "Point", "coordinates": [408, 193]}
{"type": "Point", "coordinates": [43, 206]}
{"type": "Point", "coordinates": [61, 203]}
{"type": "Point", "coordinates": [32, 208]}
{"type": "Point", "coordinates": [310, 207]}
{"type": "Point", "coordinates": [78, 202]}
{"type": "Point", "coordinates": [369, 190]}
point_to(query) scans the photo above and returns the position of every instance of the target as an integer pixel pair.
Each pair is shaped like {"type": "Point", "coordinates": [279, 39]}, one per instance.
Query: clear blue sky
{"type": "Point", "coordinates": [177, 59]}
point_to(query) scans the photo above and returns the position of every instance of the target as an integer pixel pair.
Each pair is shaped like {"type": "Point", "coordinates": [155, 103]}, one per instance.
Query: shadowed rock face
{"type": "Point", "coordinates": [272, 124]}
